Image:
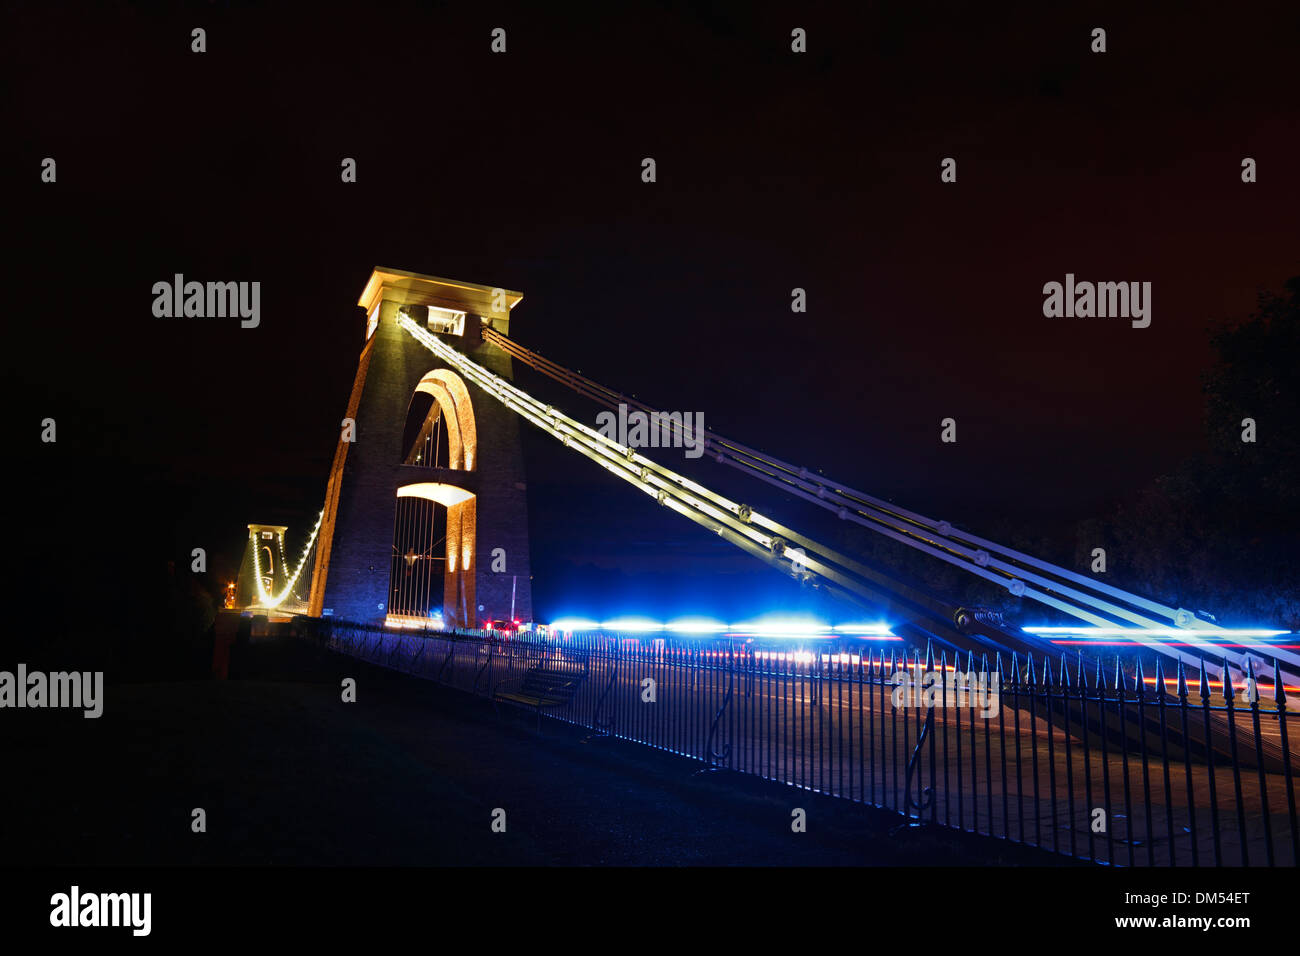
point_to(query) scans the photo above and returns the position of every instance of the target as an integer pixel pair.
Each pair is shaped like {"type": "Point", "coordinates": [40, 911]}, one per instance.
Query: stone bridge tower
{"type": "Point", "coordinates": [426, 510]}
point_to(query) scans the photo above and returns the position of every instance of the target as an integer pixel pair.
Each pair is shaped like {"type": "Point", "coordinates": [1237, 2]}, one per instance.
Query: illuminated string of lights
{"type": "Point", "coordinates": [264, 599]}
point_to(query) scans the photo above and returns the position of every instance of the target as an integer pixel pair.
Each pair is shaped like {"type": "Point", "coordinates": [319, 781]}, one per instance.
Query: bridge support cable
{"type": "Point", "coordinates": [1021, 574]}
{"type": "Point", "coordinates": [755, 533]}
{"type": "Point", "coordinates": [934, 537]}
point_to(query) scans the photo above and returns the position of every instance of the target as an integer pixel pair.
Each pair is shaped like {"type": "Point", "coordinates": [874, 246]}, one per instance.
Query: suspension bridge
{"type": "Point", "coordinates": [442, 325]}
{"type": "Point", "coordinates": [424, 528]}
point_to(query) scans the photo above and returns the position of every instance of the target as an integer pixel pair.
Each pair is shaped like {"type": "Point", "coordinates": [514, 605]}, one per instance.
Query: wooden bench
{"type": "Point", "coordinates": [548, 684]}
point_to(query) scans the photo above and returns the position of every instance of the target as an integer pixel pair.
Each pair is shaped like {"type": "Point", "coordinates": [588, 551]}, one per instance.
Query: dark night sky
{"type": "Point", "coordinates": [775, 170]}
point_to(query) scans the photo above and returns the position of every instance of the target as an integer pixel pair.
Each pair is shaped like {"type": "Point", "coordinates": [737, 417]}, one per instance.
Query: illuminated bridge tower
{"type": "Point", "coordinates": [425, 510]}
{"type": "Point", "coordinates": [263, 558]}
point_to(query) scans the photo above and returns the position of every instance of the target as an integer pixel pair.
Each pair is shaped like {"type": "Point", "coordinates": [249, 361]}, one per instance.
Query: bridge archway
{"type": "Point", "coordinates": [440, 430]}
{"type": "Point", "coordinates": [432, 572]}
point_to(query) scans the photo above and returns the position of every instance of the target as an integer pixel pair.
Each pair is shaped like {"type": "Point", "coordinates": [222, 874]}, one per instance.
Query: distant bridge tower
{"type": "Point", "coordinates": [265, 555]}
{"type": "Point", "coordinates": [425, 511]}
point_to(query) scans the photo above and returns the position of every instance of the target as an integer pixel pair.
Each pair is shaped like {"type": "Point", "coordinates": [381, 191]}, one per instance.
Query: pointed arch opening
{"type": "Point", "coordinates": [440, 431]}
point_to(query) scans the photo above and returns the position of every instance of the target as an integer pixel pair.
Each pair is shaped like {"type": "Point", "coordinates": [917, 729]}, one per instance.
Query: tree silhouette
{"type": "Point", "coordinates": [1219, 533]}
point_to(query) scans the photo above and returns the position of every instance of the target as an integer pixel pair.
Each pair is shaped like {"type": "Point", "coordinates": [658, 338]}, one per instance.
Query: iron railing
{"type": "Point", "coordinates": [1117, 764]}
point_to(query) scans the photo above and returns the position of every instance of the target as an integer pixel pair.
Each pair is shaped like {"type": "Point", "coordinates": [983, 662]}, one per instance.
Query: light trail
{"type": "Point", "coordinates": [780, 628]}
